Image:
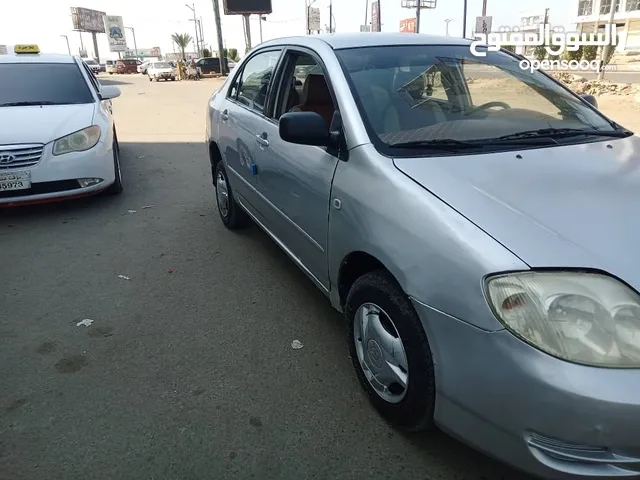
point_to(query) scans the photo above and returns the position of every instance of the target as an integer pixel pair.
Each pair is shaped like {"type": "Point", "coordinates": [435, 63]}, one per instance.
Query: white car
{"type": "Point", "coordinates": [58, 138]}
{"type": "Point", "coordinates": [142, 68]}
{"type": "Point", "coordinates": [110, 67]}
{"type": "Point", "coordinates": [161, 70]}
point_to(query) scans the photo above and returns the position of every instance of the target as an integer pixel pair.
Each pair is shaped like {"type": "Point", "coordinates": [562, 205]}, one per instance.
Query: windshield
{"type": "Point", "coordinates": [161, 65]}
{"type": "Point", "coordinates": [42, 83]}
{"type": "Point", "coordinates": [432, 93]}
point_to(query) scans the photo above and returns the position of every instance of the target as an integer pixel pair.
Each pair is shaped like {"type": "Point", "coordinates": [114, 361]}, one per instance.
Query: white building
{"type": "Point", "coordinates": [627, 20]}
{"type": "Point", "coordinates": [530, 22]}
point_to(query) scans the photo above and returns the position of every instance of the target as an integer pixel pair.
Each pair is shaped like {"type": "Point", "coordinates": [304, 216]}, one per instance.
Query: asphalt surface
{"type": "Point", "coordinates": [187, 370]}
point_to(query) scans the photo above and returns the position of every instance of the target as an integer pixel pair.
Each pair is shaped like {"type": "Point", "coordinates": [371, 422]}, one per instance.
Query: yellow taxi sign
{"type": "Point", "coordinates": [32, 48]}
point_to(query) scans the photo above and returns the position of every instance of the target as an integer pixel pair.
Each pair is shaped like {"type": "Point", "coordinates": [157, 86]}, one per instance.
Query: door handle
{"type": "Point", "coordinates": [224, 115]}
{"type": "Point", "coordinates": [262, 140]}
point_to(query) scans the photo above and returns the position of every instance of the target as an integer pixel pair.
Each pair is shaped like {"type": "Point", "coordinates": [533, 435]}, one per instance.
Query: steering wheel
{"type": "Point", "coordinates": [487, 105]}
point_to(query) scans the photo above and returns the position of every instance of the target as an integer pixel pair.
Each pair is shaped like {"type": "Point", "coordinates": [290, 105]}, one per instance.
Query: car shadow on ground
{"type": "Point", "coordinates": [174, 181]}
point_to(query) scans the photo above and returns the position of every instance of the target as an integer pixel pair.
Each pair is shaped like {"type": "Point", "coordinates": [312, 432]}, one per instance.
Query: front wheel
{"type": "Point", "coordinates": [116, 187]}
{"type": "Point", "coordinates": [390, 351]}
{"type": "Point", "coordinates": [230, 212]}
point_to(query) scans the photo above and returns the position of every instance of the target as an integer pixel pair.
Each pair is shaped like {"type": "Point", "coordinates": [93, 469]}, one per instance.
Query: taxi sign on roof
{"type": "Point", "coordinates": [26, 49]}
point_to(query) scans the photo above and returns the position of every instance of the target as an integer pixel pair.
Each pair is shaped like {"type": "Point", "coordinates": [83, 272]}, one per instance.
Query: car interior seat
{"type": "Point", "coordinates": [316, 97]}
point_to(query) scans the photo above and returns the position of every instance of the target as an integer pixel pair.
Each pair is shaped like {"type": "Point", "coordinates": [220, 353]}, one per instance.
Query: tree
{"type": "Point", "coordinates": [233, 54]}
{"type": "Point", "coordinates": [589, 52]}
{"type": "Point", "coordinates": [575, 55]}
{"type": "Point", "coordinates": [540, 52]}
{"type": "Point", "coordinates": [182, 40]}
{"type": "Point", "coordinates": [206, 52]}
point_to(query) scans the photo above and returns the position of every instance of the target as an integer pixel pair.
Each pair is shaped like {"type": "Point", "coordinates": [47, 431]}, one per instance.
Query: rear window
{"type": "Point", "coordinates": [42, 84]}
{"type": "Point", "coordinates": [161, 65]}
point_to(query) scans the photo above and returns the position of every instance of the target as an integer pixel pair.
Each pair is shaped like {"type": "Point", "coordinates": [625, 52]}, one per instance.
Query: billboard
{"type": "Point", "coordinates": [314, 19]}
{"type": "Point", "coordinates": [483, 24]}
{"type": "Point", "coordinates": [87, 20]}
{"type": "Point", "coordinates": [143, 52]}
{"type": "Point", "coordinates": [246, 7]}
{"type": "Point", "coordinates": [375, 12]}
{"type": "Point", "coordinates": [408, 25]}
{"type": "Point", "coordinates": [114, 26]}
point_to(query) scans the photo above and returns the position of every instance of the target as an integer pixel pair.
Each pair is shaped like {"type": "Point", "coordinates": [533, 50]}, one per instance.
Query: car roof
{"type": "Point", "coordinates": [339, 41]}
{"type": "Point", "coordinates": [37, 58]}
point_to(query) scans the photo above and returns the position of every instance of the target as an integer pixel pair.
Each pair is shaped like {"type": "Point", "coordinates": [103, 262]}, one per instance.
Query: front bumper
{"type": "Point", "coordinates": [55, 177]}
{"type": "Point", "coordinates": [545, 416]}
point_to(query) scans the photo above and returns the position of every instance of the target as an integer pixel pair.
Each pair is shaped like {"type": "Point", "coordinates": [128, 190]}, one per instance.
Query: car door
{"type": "Point", "coordinates": [239, 115]}
{"type": "Point", "coordinates": [295, 180]}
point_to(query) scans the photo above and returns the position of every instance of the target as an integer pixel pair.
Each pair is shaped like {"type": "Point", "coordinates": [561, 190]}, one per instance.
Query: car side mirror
{"type": "Point", "coordinates": [107, 92]}
{"type": "Point", "coordinates": [591, 100]}
{"type": "Point", "coordinates": [304, 128]}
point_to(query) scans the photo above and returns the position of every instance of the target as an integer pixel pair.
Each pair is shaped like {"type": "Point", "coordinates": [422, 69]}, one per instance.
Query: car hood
{"type": "Point", "coordinates": [43, 124]}
{"type": "Point", "coordinates": [569, 206]}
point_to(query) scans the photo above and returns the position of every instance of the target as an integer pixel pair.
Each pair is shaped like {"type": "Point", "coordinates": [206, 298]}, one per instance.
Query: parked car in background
{"type": "Point", "coordinates": [127, 65]}
{"type": "Point", "coordinates": [110, 67]}
{"type": "Point", "coordinates": [231, 64]}
{"type": "Point", "coordinates": [472, 220]}
{"type": "Point", "coordinates": [142, 68]}
{"type": "Point", "coordinates": [161, 71]}
{"type": "Point", "coordinates": [94, 66]}
{"type": "Point", "coordinates": [58, 137]}
{"type": "Point", "coordinates": [210, 65]}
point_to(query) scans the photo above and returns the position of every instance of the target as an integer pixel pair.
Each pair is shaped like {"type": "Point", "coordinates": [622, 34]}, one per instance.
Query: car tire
{"type": "Point", "coordinates": [116, 187]}
{"type": "Point", "coordinates": [231, 214]}
{"type": "Point", "coordinates": [392, 322]}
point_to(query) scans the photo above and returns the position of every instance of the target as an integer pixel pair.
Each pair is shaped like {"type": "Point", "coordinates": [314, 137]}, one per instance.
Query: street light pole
{"type": "Point", "coordinates": [607, 48]}
{"type": "Point", "coordinates": [201, 34]}
{"type": "Point", "coordinates": [67, 39]}
{"type": "Point", "coordinates": [330, 16]}
{"type": "Point", "coordinates": [418, 16]}
{"type": "Point", "coordinates": [260, 19]}
{"type": "Point", "coordinates": [135, 45]}
{"type": "Point", "coordinates": [447, 21]}
{"type": "Point", "coordinates": [195, 26]}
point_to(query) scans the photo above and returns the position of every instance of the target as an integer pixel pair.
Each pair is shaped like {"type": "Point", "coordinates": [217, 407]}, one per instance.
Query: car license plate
{"type": "Point", "coordinates": [14, 181]}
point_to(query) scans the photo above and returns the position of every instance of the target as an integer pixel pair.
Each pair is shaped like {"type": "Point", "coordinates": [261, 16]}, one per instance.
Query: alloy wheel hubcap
{"type": "Point", "coordinates": [381, 352]}
{"type": "Point", "coordinates": [222, 195]}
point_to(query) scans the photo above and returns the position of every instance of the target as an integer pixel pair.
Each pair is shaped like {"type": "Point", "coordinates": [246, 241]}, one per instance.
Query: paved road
{"type": "Point", "coordinates": [189, 374]}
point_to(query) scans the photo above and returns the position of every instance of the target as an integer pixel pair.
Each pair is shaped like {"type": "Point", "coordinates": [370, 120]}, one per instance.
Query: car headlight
{"type": "Point", "coordinates": [78, 141]}
{"type": "Point", "coordinates": [585, 318]}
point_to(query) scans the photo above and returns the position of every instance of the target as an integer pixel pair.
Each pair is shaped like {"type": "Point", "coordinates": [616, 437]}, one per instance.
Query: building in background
{"type": "Point", "coordinates": [530, 22]}
{"type": "Point", "coordinates": [590, 13]}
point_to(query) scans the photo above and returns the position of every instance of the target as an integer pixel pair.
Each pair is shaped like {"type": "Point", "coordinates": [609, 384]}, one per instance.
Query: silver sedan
{"type": "Point", "coordinates": [472, 221]}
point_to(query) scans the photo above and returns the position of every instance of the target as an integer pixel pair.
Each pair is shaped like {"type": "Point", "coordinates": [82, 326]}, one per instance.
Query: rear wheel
{"type": "Point", "coordinates": [390, 351]}
{"type": "Point", "coordinates": [230, 212]}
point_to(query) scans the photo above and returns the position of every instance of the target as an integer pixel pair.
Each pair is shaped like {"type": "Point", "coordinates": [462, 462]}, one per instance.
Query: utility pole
{"type": "Point", "coordinates": [95, 46]}
{"type": "Point", "coordinates": [330, 16]}
{"type": "Point", "coordinates": [216, 14]}
{"type": "Point", "coordinates": [464, 20]}
{"type": "Point", "coordinates": [261, 18]}
{"type": "Point", "coordinates": [67, 39]}
{"type": "Point", "coordinates": [135, 45]}
{"type": "Point", "coordinates": [202, 46]}
{"type": "Point", "coordinates": [607, 48]}
{"type": "Point", "coordinates": [379, 16]}
{"type": "Point", "coordinates": [81, 45]}
{"type": "Point", "coordinates": [195, 26]}
{"type": "Point", "coordinates": [366, 13]}
{"type": "Point", "coordinates": [484, 8]}
{"type": "Point", "coordinates": [418, 16]}
{"type": "Point", "coordinates": [247, 32]}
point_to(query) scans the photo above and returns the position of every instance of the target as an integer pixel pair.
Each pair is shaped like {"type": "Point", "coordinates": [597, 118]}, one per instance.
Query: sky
{"type": "Point", "coordinates": [44, 21]}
